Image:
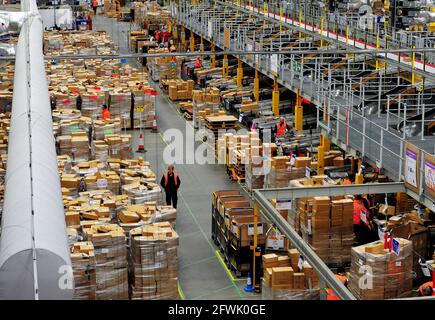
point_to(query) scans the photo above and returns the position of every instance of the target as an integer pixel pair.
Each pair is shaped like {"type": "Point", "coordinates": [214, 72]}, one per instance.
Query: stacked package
{"type": "Point", "coordinates": [205, 99]}
{"type": "Point", "coordinates": [327, 225]}
{"type": "Point", "coordinates": [102, 128]}
{"type": "Point", "coordinates": [120, 106]}
{"type": "Point", "coordinates": [68, 126]}
{"type": "Point", "coordinates": [111, 261]}
{"type": "Point", "coordinates": [154, 262]}
{"type": "Point", "coordinates": [288, 278]}
{"type": "Point", "coordinates": [179, 89]}
{"type": "Point", "coordinates": [103, 180]}
{"type": "Point", "coordinates": [144, 108]}
{"type": "Point", "coordinates": [142, 191]}
{"type": "Point", "coordinates": [282, 171]}
{"type": "Point", "coordinates": [163, 68]}
{"type": "Point", "coordinates": [378, 274]}
{"type": "Point", "coordinates": [76, 146]}
{"type": "Point", "coordinates": [65, 114]}
{"type": "Point", "coordinates": [84, 270]}
{"type": "Point", "coordinates": [119, 146]}
{"type": "Point", "coordinates": [92, 103]}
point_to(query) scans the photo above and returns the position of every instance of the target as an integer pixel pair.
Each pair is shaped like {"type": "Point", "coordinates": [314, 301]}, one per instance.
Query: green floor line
{"type": "Point", "coordinates": [198, 262]}
{"type": "Point", "coordinates": [221, 260]}
{"type": "Point", "coordinates": [180, 291]}
{"type": "Point", "coordinates": [211, 293]}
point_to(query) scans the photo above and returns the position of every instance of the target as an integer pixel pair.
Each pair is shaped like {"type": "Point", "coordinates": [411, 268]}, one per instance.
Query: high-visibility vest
{"type": "Point", "coordinates": [358, 211]}
{"type": "Point", "coordinates": [105, 114]}
{"type": "Point", "coordinates": [198, 63]}
{"type": "Point", "coordinates": [167, 179]}
{"type": "Point", "coordinates": [330, 293]}
{"type": "Point", "coordinates": [346, 182]}
{"type": "Point", "coordinates": [281, 129]}
{"type": "Point", "coordinates": [427, 284]}
{"type": "Point", "coordinates": [94, 3]}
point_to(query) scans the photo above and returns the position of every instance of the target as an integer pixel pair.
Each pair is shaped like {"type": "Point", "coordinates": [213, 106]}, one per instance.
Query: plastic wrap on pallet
{"type": "Point", "coordinates": [65, 101]}
{"type": "Point", "coordinates": [153, 255]}
{"type": "Point", "coordinates": [101, 128]}
{"type": "Point", "coordinates": [119, 146]}
{"type": "Point", "coordinates": [68, 126]}
{"type": "Point", "coordinates": [254, 176]}
{"type": "Point", "coordinates": [84, 270]}
{"type": "Point", "coordinates": [120, 106]}
{"type": "Point", "coordinates": [140, 192]}
{"type": "Point", "coordinates": [65, 114]}
{"type": "Point", "coordinates": [378, 274]}
{"type": "Point", "coordinates": [270, 293]}
{"type": "Point", "coordinates": [92, 104]}
{"type": "Point", "coordinates": [144, 108]}
{"type": "Point", "coordinates": [111, 261]}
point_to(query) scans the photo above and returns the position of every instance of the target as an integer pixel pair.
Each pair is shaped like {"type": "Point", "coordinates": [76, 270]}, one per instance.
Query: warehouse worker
{"type": "Point", "coordinates": [171, 46]}
{"type": "Point", "coordinates": [426, 289]}
{"type": "Point", "coordinates": [105, 113]}
{"type": "Point", "coordinates": [341, 276]}
{"type": "Point", "coordinates": [198, 62]}
{"type": "Point", "coordinates": [361, 221]}
{"type": "Point", "coordinates": [281, 127]}
{"type": "Point", "coordinates": [95, 6]}
{"type": "Point", "coordinates": [82, 187]}
{"type": "Point", "coordinates": [170, 183]}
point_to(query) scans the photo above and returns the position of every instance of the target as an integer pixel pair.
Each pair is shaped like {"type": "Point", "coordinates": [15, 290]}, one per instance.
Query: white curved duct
{"type": "Point", "coordinates": [34, 255]}
{"type": "Point", "coordinates": [11, 22]}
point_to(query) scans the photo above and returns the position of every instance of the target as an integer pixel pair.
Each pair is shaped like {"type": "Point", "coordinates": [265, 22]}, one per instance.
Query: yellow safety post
{"type": "Point", "coordinates": [192, 41]}
{"type": "Point", "coordinates": [377, 47]}
{"type": "Point", "coordinates": [169, 25]}
{"type": "Point", "coordinates": [256, 86]}
{"type": "Point", "coordinates": [320, 160]}
{"type": "Point", "coordinates": [201, 44]}
{"type": "Point", "coordinates": [264, 11]}
{"type": "Point", "coordinates": [358, 177]}
{"type": "Point", "coordinates": [325, 114]}
{"type": "Point", "coordinates": [300, 22]}
{"type": "Point", "coordinates": [213, 58]}
{"type": "Point", "coordinates": [298, 112]}
{"type": "Point", "coordinates": [413, 66]}
{"type": "Point", "coordinates": [275, 99]}
{"type": "Point", "coordinates": [347, 41]}
{"type": "Point", "coordinates": [322, 21]}
{"type": "Point", "coordinates": [175, 30]}
{"type": "Point", "coordinates": [225, 66]}
{"type": "Point", "coordinates": [183, 35]}
{"type": "Point", "coordinates": [239, 72]}
{"type": "Point", "coordinates": [326, 143]}
{"type": "Point", "coordinates": [280, 19]}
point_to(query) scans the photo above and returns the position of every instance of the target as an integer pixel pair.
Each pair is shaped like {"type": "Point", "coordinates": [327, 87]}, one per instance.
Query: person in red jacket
{"type": "Point", "coordinates": [105, 113]}
{"type": "Point", "coordinates": [170, 183]}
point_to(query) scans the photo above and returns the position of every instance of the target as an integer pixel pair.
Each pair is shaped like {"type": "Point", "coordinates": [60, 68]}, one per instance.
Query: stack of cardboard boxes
{"type": "Point", "coordinates": [84, 270]}
{"type": "Point", "coordinates": [163, 68]}
{"type": "Point", "coordinates": [153, 259]}
{"type": "Point", "coordinates": [179, 90]}
{"type": "Point", "coordinates": [289, 278]}
{"type": "Point", "coordinates": [111, 261]}
{"type": "Point", "coordinates": [145, 108]}
{"type": "Point", "coordinates": [283, 170]}
{"type": "Point", "coordinates": [378, 274]}
{"type": "Point", "coordinates": [327, 225]}
{"type": "Point", "coordinates": [205, 99]}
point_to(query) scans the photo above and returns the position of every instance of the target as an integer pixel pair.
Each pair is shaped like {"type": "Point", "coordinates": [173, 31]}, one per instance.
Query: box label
{"type": "Point", "coordinates": [102, 183]}
{"type": "Point", "coordinates": [275, 242]}
{"type": "Point", "coordinates": [284, 204]}
{"type": "Point", "coordinates": [300, 262]}
{"type": "Point", "coordinates": [411, 168]}
{"type": "Point", "coordinates": [396, 247]}
{"type": "Point", "coordinates": [251, 229]}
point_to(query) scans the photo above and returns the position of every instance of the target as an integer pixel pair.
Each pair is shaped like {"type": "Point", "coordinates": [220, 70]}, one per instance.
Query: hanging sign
{"type": "Point", "coordinates": [140, 109]}
{"type": "Point", "coordinates": [429, 174]}
{"type": "Point", "coordinates": [411, 167]}
{"type": "Point", "coordinates": [396, 247]}
{"type": "Point", "coordinates": [283, 204]}
{"type": "Point", "coordinates": [251, 229]}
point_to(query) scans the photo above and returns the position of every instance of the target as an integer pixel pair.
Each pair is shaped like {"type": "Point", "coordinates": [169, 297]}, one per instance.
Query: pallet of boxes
{"type": "Point", "coordinates": [179, 90]}
{"type": "Point", "coordinates": [379, 273]}
{"type": "Point", "coordinates": [288, 277]}
{"type": "Point", "coordinates": [204, 99]}
{"type": "Point", "coordinates": [283, 169]}
{"type": "Point", "coordinates": [153, 257]}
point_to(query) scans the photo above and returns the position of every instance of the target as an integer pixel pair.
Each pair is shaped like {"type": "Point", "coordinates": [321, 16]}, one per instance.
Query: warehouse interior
{"type": "Point", "coordinates": [302, 133]}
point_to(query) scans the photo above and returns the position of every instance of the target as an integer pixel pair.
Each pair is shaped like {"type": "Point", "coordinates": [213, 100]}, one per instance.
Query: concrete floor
{"type": "Point", "coordinates": [202, 273]}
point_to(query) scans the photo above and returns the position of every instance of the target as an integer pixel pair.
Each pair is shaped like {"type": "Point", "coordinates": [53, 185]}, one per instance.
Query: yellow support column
{"type": "Point", "coordinates": [299, 115]}
{"type": "Point", "coordinates": [256, 86]}
{"type": "Point", "coordinates": [320, 160]}
{"type": "Point", "coordinates": [201, 44]}
{"type": "Point", "coordinates": [326, 144]}
{"type": "Point", "coordinates": [348, 55]}
{"type": "Point", "coordinates": [322, 21]}
{"type": "Point", "coordinates": [358, 177]}
{"type": "Point", "coordinates": [225, 66]}
{"type": "Point", "coordinates": [413, 66]}
{"type": "Point", "coordinates": [192, 42]}
{"type": "Point", "coordinates": [300, 22]}
{"type": "Point", "coordinates": [175, 30]}
{"type": "Point", "coordinates": [239, 72]}
{"type": "Point", "coordinates": [275, 99]}
{"type": "Point", "coordinates": [280, 19]}
{"type": "Point", "coordinates": [213, 58]}
{"type": "Point", "coordinates": [377, 47]}
{"type": "Point", "coordinates": [169, 25]}
{"type": "Point", "coordinates": [183, 35]}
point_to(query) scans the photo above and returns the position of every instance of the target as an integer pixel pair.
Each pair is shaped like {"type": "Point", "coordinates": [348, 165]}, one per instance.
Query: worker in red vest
{"type": "Point", "coordinates": [157, 36]}
{"type": "Point", "coordinates": [362, 224]}
{"type": "Point", "coordinates": [198, 62]}
{"type": "Point", "coordinates": [330, 293]}
{"type": "Point", "coordinates": [95, 6]}
{"type": "Point", "coordinates": [105, 113]}
{"type": "Point", "coordinates": [170, 183]}
{"type": "Point", "coordinates": [426, 289]}
{"type": "Point", "coordinates": [281, 127]}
